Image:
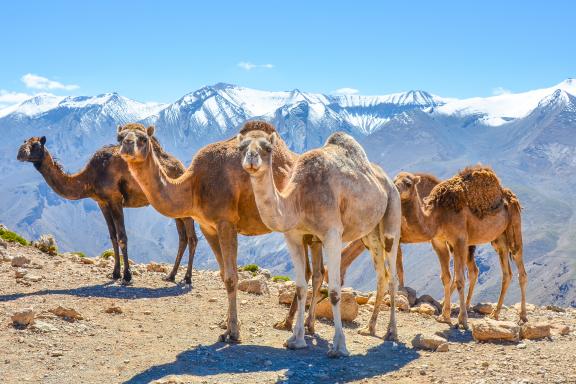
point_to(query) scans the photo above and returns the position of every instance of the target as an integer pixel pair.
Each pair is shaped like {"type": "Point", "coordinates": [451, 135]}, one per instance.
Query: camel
{"type": "Point", "coordinates": [470, 208]}
{"type": "Point", "coordinates": [336, 195]}
{"type": "Point", "coordinates": [106, 180]}
{"type": "Point", "coordinates": [217, 193]}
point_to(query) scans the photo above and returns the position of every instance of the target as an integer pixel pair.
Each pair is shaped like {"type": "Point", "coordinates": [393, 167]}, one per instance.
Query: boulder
{"type": "Point", "coordinates": [20, 272]}
{"type": "Point", "coordinates": [286, 293]}
{"type": "Point", "coordinates": [402, 302]}
{"type": "Point", "coordinates": [32, 278]}
{"type": "Point", "coordinates": [555, 308]}
{"type": "Point", "coordinates": [529, 307]}
{"type": "Point", "coordinates": [483, 308]}
{"type": "Point", "coordinates": [113, 309]}
{"type": "Point", "coordinates": [155, 267]}
{"type": "Point", "coordinates": [46, 244]}
{"type": "Point", "coordinates": [424, 309]}
{"type": "Point", "coordinates": [444, 347]}
{"type": "Point", "coordinates": [87, 260]}
{"type": "Point", "coordinates": [533, 331]}
{"type": "Point", "coordinates": [410, 294]}
{"type": "Point", "coordinates": [428, 342]}
{"type": "Point", "coordinates": [265, 272]}
{"type": "Point", "coordinates": [23, 318]}
{"type": "Point", "coordinates": [41, 326]}
{"type": "Point", "coordinates": [348, 307]}
{"type": "Point", "coordinates": [256, 285]}
{"type": "Point", "coordinates": [362, 297]}
{"type": "Point", "coordinates": [20, 261]}
{"type": "Point", "coordinates": [559, 329]}
{"type": "Point", "coordinates": [430, 300]}
{"type": "Point", "coordinates": [69, 314]}
{"type": "Point", "coordinates": [493, 330]}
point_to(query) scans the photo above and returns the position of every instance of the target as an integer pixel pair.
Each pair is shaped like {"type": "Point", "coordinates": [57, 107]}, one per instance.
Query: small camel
{"type": "Point", "coordinates": [336, 195]}
{"type": "Point", "coordinates": [217, 193]}
{"type": "Point", "coordinates": [470, 208]}
{"type": "Point", "coordinates": [106, 180]}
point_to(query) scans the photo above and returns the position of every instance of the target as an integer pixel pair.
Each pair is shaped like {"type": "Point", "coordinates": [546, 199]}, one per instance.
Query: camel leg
{"type": "Point", "coordinates": [377, 258]}
{"type": "Point", "coordinates": [349, 254]}
{"type": "Point", "coordinates": [286, 324]}
{"type": "Point", "coordinates": [444, 258]}
{"type": "Point", "coordinates": [332, 249]}
{"type": "Point", "coordinates": [192, 241]}
{"type": "Point", "coordinates": [502, 249]}
{"type": "Point", "coordinates": [400, 268]}
{"type": "Point", "coordinates": [523, 280]}
{"type": "Point", "coordinates": [181, 248]}
{"type": "Point", "coordinates": [212, 239]}
{"type": "Point", "coordinates": [228, 237]}
{"type": "Point", "coordinates": [297, 252]}
{"type": "Point", "coordinates": [113, 237]}
{"type": "Point", "coordinates": [118, 216]}
{"type": "Point", "coordinates": [460, 257]}
{"type": "Point", "coordinates": [472, 274]}
{"type": "Point", "coordinates": [317, 277]}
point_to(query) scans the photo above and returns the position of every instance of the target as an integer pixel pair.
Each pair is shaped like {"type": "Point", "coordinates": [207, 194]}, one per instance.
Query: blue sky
{"type": "Point", "coordinates": [159, 51]}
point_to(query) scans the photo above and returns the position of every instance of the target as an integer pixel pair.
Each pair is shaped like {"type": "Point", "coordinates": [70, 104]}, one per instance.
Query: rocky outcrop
{"type": "Point", "coordinates": [494, 330]}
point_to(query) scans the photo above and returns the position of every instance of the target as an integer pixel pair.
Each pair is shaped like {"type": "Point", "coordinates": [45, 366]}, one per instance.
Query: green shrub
{"type": "Point", "coordinates": [107, 254]}
{"type": "Point", "coordinates": [79, 254]}
{"type": "Point", "coordinates": [250, 268]}
{"type": "Point", "coordinates": [12, 237]}
{"type": "Point", "coordinates": [280, 278]}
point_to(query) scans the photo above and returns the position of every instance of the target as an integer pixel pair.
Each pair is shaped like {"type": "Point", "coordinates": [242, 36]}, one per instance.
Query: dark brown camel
{"type": "Point", "coordinates": [107, 180]}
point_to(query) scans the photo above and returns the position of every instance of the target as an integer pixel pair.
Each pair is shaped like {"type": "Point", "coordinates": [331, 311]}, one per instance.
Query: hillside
{"type": "Point", "coordinates": [527, 137]}
{"type": "Point", "coordinates": [154, 331]}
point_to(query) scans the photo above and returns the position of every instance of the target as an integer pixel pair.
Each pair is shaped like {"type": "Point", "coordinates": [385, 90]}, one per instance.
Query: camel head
{"type": "Point", "coordinates": [135, 142]}
{"type": "Point", "coordinates": [32, 150]}
{"type": "Point", "coordinates": [256, 150]}
{"type": "Point", "coordinates": [406, 184]}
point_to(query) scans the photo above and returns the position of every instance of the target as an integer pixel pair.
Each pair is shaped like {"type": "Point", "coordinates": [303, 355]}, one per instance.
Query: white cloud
{"type": "Point", "coordinates": [500, 91]}
{"type": "Point", "coordinates": [346, 91]}
{"type": "Point", "coordinates": [247, 66]}
{"type": "Point", "coordinates": [9, 97]}
{"type": "Point", "coordinates": [39, 82]}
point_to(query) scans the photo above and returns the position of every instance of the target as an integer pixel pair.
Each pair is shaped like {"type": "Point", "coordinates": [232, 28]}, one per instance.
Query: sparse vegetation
{"type": "Point", "coordinates": [79, 254]}
{"type": "Point", "coordinates": [107, 254]}
{"type": "Point", "coordinates": [277, 279]}
{"type": "Point", "coordinates": [250, 268]}
{"type": "Point", "coordinates": [12, 237]}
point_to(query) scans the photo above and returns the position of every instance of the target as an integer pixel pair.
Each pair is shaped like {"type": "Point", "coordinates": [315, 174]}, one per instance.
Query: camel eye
{"type": "Point", "coordinates": [267, 147]}
{"type": "Point", "coordinates": [243, 145]}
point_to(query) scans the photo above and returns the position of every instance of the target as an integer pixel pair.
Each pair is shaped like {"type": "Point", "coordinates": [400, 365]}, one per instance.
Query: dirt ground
{"type": "Point", "coordinates": [168, 334]}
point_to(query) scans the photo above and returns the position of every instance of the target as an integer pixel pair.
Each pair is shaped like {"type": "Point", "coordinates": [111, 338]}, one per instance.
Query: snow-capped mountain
{"type": "Point", "coordinates": [529, 138]}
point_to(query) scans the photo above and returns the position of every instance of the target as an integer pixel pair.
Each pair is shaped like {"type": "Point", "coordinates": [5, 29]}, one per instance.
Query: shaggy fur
{"type": "Point", "coordinates": [257, 125]}
{"type": "Point", "coordinates": [476, 187]}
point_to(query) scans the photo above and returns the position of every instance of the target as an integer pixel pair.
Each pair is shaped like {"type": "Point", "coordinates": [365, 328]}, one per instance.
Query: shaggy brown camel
{"type": "Point", "coordinates": [106, 179]}
{"type": "Point", "coordinates": [217, 193]}
{"type": "Point", "coordinates": [470, 208]}
{"type": "Point", "coordinates": [336, 195]}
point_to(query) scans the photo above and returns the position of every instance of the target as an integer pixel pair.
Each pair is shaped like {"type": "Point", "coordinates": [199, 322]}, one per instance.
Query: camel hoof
{"type": "Point", "coordinates": [229, 339]}
{"type": "Point", "coordinates": [283, 325]}
{"type": "Point", "coordinates": [523, 320]}
{"type": "Point", "coordinates": [116, 275]}
{"type": "Point", "coordinates": [293, 343]}
{"type": "Point", "coordinates": [336, 353]}
{"type": "Point", "coordinates": [442, 319]}
{"type": "Point", "coordinates": [310, 331]}
{"type": "Point", "coordinates": [367, 331]}
{"type": "Point", "coordinates": [494, 315]}
{"type": "Point", "coordinates": [169, 278]}
{"type": "Point", "coordinates": [391, 335]}
{"type": "Point", "coordinates": [126, 282]}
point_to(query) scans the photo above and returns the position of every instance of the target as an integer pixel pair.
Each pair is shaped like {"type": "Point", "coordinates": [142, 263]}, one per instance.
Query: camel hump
{"type": "Point", "coordinates": [353, 149]}
{"type": "Point", "coordinates": [257, 125]}
{"type": "Point", "coordinates": [476, 187]}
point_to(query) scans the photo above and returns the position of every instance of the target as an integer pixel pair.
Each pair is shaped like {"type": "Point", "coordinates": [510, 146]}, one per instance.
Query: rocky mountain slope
{"type": "Point", "coordinates": [64, 321]}
{"type": "Point", "coordinates": [527, 137]}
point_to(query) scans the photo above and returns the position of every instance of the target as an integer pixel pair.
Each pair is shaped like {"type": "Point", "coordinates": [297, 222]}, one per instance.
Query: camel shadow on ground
{"type": "Point", "coordinates": [305, 365]}
{"type": "Point", "coordinates": [106, 290]}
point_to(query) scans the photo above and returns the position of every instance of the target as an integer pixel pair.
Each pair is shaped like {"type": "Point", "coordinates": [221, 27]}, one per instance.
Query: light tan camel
{"type": "Point", "coordinates": [470, 208]}
{"type": "Point", "coordinates": [106, 180]}
{"type": "Point", "coordinates": [217, 193]}
{"type": "Point", "coordinates": [335, 195]}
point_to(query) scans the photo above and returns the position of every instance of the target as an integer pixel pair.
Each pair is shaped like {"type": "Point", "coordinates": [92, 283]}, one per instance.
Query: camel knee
{"type": "Point", "coordinates": [459, 283]}
{"type": "Point", "coordinates": [446, 279]}
{"type": "Point", "coordinates": [334, 297]}
{"type": "Point", "coordinates": [230, 283]}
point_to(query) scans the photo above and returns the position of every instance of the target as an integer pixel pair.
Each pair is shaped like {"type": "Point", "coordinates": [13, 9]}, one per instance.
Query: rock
{"type": "Point", "coordinates": [444, 347]}
{"type": "Point", "coordinates": [265, 272]}
{"type": "Point", "coordinates": [555, 308]}
{"type": "Point", "coordinates": [494, 330]}
{"type": "Point", "coordinates": [430, 300]}
{"type": "Point", "coordinates": [113, 309]}
{"type": "Point", "coordinates": [402, 302]}
{"type": "Point", "coordinates": [87, 260]}
{"type": "Point", "coordinates": [426, 309]}
{"type": "Point", "coordinates": [533, 331]}
{"type": "Point", "coordinates": [362, 297]}
{"type": "Point", "coordinates": [23, 318]}
{"type": "Point", "coordinates": [56, 353]}
{"type": "Point", "coordinates": [69, 314]}
{"type": "Point", "coordinates": [348, 307]}
{"type": "Point", "coordinates": [428, 342]}
{"type": "Point", "coordinates": [529, 307]}
{"type": "Point", "coordinates": [20, 272]}
{"type": "Point", "coordinates": [521, 346]}
{"type": "Point", "coordinates": [256, 285]}
{"type": "Point", "coordinates": [559, 329]}
{"type": "Point", "coordinates": [155, 267]}
{"type": "Point", "coordinates": [32, 278]}
{"type": "Point", "coordinates": [3, 244]}
{"type": "Point", "coordinates": [46, 244]}
{"type": "Point", "coordinates": [286, 293]}
{"type": "Point", "coordinates": [483, 308]}
{"type": "Point", "coordinates": [410, 294]}
{"type": "Point", "coordinates": [20, 261]}
{"type": "Point", "coordinates": [41, 326]}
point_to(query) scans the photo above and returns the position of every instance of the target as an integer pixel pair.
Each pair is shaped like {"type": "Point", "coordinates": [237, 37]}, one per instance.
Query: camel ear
{"type": "Point", "coordinates": [272, 138]}
{"type": "Point", "coordinates": [239, 138]}
{"type": "Point", "coordinates": [43, 140]}
{"type": "Point", "coordinates": [119, 129]}
{"type": "Point", "coordinates": [150, 131]}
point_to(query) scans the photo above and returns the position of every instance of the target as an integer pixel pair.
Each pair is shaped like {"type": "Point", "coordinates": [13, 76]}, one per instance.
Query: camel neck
{"type": "Point", "coordinates": [419, 216]}
{"type": "Point", "coordinates": [275, 208]}
{"type": "Point", "coordinates": [170, 197]}
{"type": "Point", "coordinates": [72, 187]}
